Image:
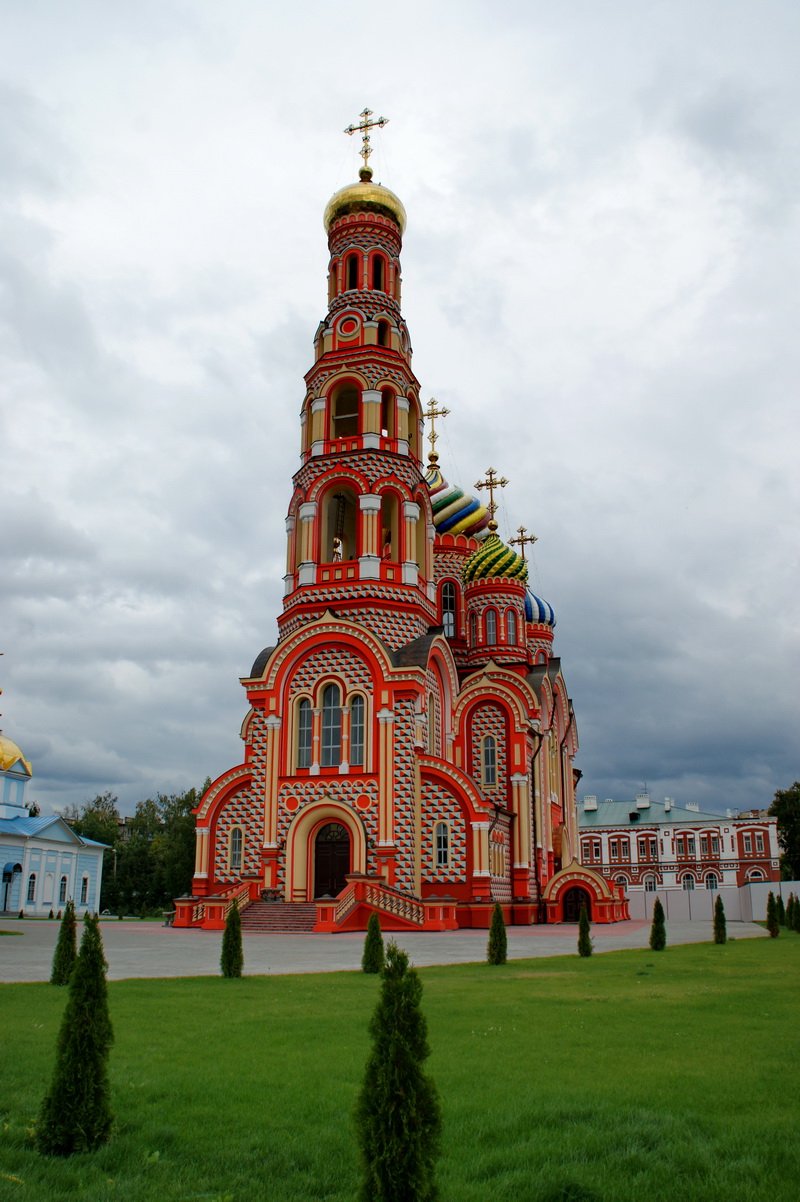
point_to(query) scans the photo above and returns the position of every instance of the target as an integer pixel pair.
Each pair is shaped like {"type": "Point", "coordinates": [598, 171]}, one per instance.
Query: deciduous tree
{"type": "Point", "coordinates": [786, 808]}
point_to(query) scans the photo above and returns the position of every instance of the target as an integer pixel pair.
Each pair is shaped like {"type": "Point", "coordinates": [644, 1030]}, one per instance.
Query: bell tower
{"type": "Point", "coordinates": [360, 528]}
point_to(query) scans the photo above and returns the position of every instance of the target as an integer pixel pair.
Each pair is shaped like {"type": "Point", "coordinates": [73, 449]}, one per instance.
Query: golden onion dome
{"type": "Point", "coordinates": [365, 196]}
{"type": "Point", "coordinates": [10, 754]}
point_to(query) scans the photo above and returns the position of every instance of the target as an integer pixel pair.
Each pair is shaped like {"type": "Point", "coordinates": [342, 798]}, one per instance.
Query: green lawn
{"type": "Point", "coordinates": [637, 1076]}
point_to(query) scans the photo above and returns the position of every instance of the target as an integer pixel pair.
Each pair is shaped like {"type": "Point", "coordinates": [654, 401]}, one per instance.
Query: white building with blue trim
{"type": "Point", "coordinates": [44, 861]}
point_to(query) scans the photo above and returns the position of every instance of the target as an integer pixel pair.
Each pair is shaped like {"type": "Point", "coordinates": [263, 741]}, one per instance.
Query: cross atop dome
{"type": "Point", "coordinates": [523, 540]}
{"type": "Point", "coordinates": [431, 413]}
{"type": "Point", "coordinates": [363, 127]}
{"type": "Point", "coordinates": [492, 482]}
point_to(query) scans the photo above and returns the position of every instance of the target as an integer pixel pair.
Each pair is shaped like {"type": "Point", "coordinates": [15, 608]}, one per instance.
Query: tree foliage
{"type": "Point", "coordinates": [772, 916]}
{"type": "Point", "coordinates": [76, 1113]}
{"type": "Point", "coordinates": [658, 928]}
{"type": "Point", "coordinates": [66, 947]}
{"type": "Point", "coordinates": [232, 957]}
{"type": "Point", "coordinates": [372, 958]}
{"type": "Point", "coordinates": [786, 808]}
{"type": "Point", "coordinates": [781, 909]}
{"type": "Point", "coordinates": [397, 1112]}
{"type": "Point", "coordinates": [720, 925]}
{"type": "Point", "coordinates": [790, 912]}
{"type": "Point", "coordinates": [497, 948]}
{"type": "Point", "coordinates": [584, 938]}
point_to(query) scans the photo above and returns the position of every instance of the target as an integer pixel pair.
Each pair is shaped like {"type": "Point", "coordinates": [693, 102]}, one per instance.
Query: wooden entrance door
{"type": "Point", "coordinates": [331, 860]}
{"type": "Point", "coordinates": [573, 900]}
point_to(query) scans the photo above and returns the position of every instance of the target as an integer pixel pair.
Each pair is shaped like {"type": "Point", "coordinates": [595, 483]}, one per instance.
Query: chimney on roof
{"type": "Point", "coordinates": [693, 806]}
{"type": "Point", "coordinates": [589, 802]}
{"type": "Point", "coordinates": [643, 801]}
{"type": "Point", "coordinates": [667, 804]}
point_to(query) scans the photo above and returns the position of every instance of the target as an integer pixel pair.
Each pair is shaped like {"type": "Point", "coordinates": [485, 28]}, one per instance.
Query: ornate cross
{"type": "Point", "coordinates": [431, 413]}
{"type": "Point", "coordinates": [492, 482]}
{"type": "Point", "coordinates": [363, 127]}
{"type": "Point", "coordinates": [523, 539]}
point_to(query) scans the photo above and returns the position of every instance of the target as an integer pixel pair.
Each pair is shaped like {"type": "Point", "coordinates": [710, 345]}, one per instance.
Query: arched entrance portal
{"type": "Point", "coordinates": [573, 900]}
{"type": "Point", "coordinates": [331, 859]}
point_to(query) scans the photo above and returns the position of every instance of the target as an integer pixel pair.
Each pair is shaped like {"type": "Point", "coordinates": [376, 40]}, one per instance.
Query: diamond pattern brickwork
{"type": "Point", "coordinates": [438, 805]}
{"type": "Point", "coordinates": [490, 720]}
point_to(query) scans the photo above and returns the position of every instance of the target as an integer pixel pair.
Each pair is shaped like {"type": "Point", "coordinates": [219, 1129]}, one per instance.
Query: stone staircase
{"type": "Point", "coordinates": [278, 918]}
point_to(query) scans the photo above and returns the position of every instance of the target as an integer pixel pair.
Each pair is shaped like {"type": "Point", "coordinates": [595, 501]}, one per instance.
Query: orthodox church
{"type": "Point", "coordinates": [409, 741]}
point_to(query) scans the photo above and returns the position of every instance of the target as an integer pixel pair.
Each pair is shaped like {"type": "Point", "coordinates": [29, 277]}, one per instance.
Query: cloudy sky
{"type": "Point", "coordinates": [601, 282]}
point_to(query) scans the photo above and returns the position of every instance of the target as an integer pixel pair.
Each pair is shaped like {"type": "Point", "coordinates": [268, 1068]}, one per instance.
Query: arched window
{"type": "Point", "coordinates": [449, 609]}
{"type": "Point", "coordinates": [473, 630]}
{"type": "Point", "coordinates": [357, 710]}
{"type": "Point", "coordinates": [339, 534]}
{"type": "Point", "coordinates": [383, 333]}
{"type": "Point", "coordinates": [84, 890]}
{"type": "Point", "coordinates": [235, 851]}
{"type": "Point", "coordinates": [344, 411]}
{"type": "Point", "coordinates": [712, 881]}
{"type": "Point", "coordinates": [650, 884]}
{"type": "Point", "coordinates": [755, 874]}
{"type": "Point", "coordinates": [622, 880]}
{"type": "Point", "coordinates": [442, 844]}
{"type": "Point", "coordinates": [331, 726]}
{"type": "Point", "coordinates": [351, 271]}
{"type": "Point", "coordinates": [387, 413]}
{"type": "Point", "coordinates": [688, 882]}
{"type": "Point", "coordinates": [304, 728]}
{"type": "Point", "coordinates": [62, 891]}
{"type": "Point", "coordinates": [32, 887]}
{"type": "Point", "coordinates": [489, 762]}
{"type": "Point", "coordinates": [378, 273]}
{"type": "Point", "coordinates": [491, 626]}
{"type": "Point", "coordinates": [511, 626]}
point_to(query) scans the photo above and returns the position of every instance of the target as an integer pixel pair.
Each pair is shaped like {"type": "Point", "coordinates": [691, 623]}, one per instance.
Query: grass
{"type": "Point", "coordinates": [630, 1075]}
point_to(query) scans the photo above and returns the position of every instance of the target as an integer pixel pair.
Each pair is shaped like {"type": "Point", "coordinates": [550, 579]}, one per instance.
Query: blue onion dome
{"type": "Point", "coordinates": [454, 511]}
{"type": "Point", "coordinates": [494, 560]}
{"type": "Point", "coordinates": [537, 610]}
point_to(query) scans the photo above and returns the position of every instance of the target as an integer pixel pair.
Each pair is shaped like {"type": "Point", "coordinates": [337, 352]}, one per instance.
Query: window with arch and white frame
{"type": "Point", "coordinates": [31, 894]}
{"type": "Point", "coordinates": [84, 890]}
{"type": "Point", "coordinates": [687, 883]}
{"type": "Point", "coordinates": [712, 881]}
{"type": "Point", "coordinates": [449, 603]}
{"type": "Point", "coordinates": [358, 711]}
{"type": "Point", "coordinates": [489, 761]}
{"type": "Point", "coordinates": [305, 726]}
{"type": "Point", "coordinates": [490, 625]}
{"type": "Point", "coordinates": [511, 627]}
{"type": "Point", "coordinates": [331, 750]}
{"type": "Point", "coordinates": [441, 844]}
{"type": "Point", "coordinates": [235, 849]}
{"type": "Point", "coordinates": [62, 891]}
{"type": "Point", "coordinates": [650, 883]}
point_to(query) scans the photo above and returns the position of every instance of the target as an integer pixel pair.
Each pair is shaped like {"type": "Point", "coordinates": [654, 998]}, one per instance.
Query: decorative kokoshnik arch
{"type": "Point", "coordinates": [300, 838]}
{"type": "Point", "coordinates": [606, 901]}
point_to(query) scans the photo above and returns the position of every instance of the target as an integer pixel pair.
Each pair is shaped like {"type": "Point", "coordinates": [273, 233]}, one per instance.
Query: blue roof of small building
{"type": "Point", "coordinates": [627, 813]}
{"type": "Point", "coordinates": [28, 827]}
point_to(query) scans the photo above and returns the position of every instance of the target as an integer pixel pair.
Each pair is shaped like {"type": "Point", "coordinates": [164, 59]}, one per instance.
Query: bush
{"type": "Point", "coordinates": [66, 947]}
{"type": "Point", "coordinates": [584, 938]}
{"type": "Point", "coordinates": [76, 1113]}
{"type": "Point", "coordinates": [658, 929]}
{"type": "Point", "coordinates": [372, 958]}
{"type": "Point", "coordinates": [772, 916]}
{"type": "Point", "coordinates": [232, 957]}
{"type": "Point", "coordinates": [497, 948]}
{"type": "Point", "coordinates": [397, 1113]}
{"type": "Point", "coordinates": [720, 926]}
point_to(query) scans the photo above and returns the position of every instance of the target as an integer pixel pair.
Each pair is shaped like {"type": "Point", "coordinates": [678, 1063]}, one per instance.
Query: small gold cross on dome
{"type": "Point", "coordinates": [523, 540]}
{"type": "Point", "coordinates": [363, 127]}
{"type": "Point", "coordinates": [492, 482]}
{"type": "Point", "coordinates": [431, 413]}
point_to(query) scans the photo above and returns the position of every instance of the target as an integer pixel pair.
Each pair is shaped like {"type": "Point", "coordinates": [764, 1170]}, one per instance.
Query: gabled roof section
{"type": "Point", "coordinates": [50, 827]}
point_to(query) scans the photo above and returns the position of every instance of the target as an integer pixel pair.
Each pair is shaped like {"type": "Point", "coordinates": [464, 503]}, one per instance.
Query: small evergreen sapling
{"type": "Point", "coordinates": [772, 916]}
{"type": "Point", "coordinates": [720, 926]}
{"type": "Point", "coordinates": [66, 947]}
{"type": "Point", "coordinates": [658, 929]}
{"type": "Point", "coordinates": [497, 948]}
{"type": "Point", "coordinates": [76, 1113]}
{"type": "Point", "coordinates": [372, 958]}
{"type": "Point", "coordinates": [796, 915]}
{"type": "Point", "coordinates": [781, 910]}
{"type": "Point", "coordinates": [790, 912]}
{"type": "Point", "coordinates": [232, 957]}
{"type": "Point", "coordinates": [584, 938]}
{"type": "Point", "coordinates": [397, 1112]}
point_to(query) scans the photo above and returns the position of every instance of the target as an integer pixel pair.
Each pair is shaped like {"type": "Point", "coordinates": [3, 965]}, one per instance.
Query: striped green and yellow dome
{"type": "Point", "coordinates": [494, 560]}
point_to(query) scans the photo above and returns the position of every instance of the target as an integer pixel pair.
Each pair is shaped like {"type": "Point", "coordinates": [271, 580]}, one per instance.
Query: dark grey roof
{"type": "Point", "coordinates": [260, 662]}
{"type": "Point", "coordinates": [415, 654]}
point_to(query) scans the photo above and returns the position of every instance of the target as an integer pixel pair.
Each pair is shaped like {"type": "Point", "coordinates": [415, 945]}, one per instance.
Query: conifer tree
{"type": "Point", "coordinates": [76, 1113]}
{"type": "Point", "coordinates": [772, 916]}
{"type": "Point", "coordinates": [790, 912]}
{"type": "Point", "coordinates": [584, 938]}
{"type": "Point", "coordinates": [397, 1113]}
{"type": "Point", "coordinates": [796, 915]}
{"type": "Point", "coordinates": [232, 957]}
{"type": "Point", "coordinates": [372, 958]}
{"type": "Point", "coordinates": [658, 929]}
{"type": "Point", "coordinates": [497, 949]}
{"type": "Point", "coordinates": [779, 906]}
{"type": "Point", "coordinates": [720, 926]}
{"type": "Point", "coordinates": [66, 947]}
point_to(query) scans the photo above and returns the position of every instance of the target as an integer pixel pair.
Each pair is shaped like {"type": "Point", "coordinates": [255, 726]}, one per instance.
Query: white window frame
{"type": "Point", "coordinates": [441, 844]}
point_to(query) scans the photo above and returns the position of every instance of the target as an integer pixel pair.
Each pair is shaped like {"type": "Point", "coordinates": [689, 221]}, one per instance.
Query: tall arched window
{"type": "Point", "coordinates": [62, 891]}
{"type": "Point", "coordinates": [491, 626]}
{"type": "Point", "coordinates": [489, 762]}
{"type": "Point", "coordinates": [387, 413]}
{"type": "Point", "coordinates": [511, 626]}
{"type": "Point", "coordinates": [441, 840]}
{"type": "Point", "coordinates": [378, 273]}
{"type": "Point", "coordinates": [344, 411]}
{"type": "Point", "coordinates": [383, 333]}
{"type": "Point", "coordinates": [84, 890]}
{"type": "Point", "coordinates": [331, 726]}
{"type": "Point", "coordinates": [473, 630]}
{"type": "Point", "coordinates": [351, 271]}
{"type": "Point", "coordinates": [449, 609]}
{"type": "Point", "coordinates": [304, 728]}
{"type": "Point", "coordinates": [236, 849]}
{"type": "Point", "coordinates": [712, 881]}
{"type": "Point", "coordinates": [688, 882]}
{"type": "Point", "coordinates": [32, 887]}
{"type": "Point", "coordinates": [357, 711]}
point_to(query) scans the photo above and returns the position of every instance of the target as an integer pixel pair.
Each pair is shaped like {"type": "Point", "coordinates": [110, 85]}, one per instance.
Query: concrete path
{"type": "Point", "coordinates": [146, 949]}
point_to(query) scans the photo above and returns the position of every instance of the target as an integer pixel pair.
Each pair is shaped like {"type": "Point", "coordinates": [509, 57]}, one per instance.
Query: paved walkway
{"type": "Point", "coordinates": [146, 949]}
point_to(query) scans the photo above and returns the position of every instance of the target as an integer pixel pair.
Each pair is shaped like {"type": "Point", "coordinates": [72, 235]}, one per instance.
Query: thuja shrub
{"type": "Point", "coordinates": [66, 947]}
{"type": "Point", "coordinates": [720, 926]}
{"type": "Point", "coordinates": [397, 1112]}
{"type": "Point", "coordinates": [779, 906]}
{"type": "Point", "coordinates": [772, 916]}
{"type": "Point", "coordinates": [232, 958]}
{"type": "Point", "coordinates": [372, 956]}
{"type": "Point", "coordinates": [658, 928]}
{"type": "Point", "coordinates": [76, 1112]}
{"type": "Point", "coordinates": [584, 938]}
{"type": "Point", "coordinates": [497, 948]}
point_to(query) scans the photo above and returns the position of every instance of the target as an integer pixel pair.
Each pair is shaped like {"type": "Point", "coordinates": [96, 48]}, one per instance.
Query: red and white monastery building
{"type": "Point", "coordinates": [409, 741]}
